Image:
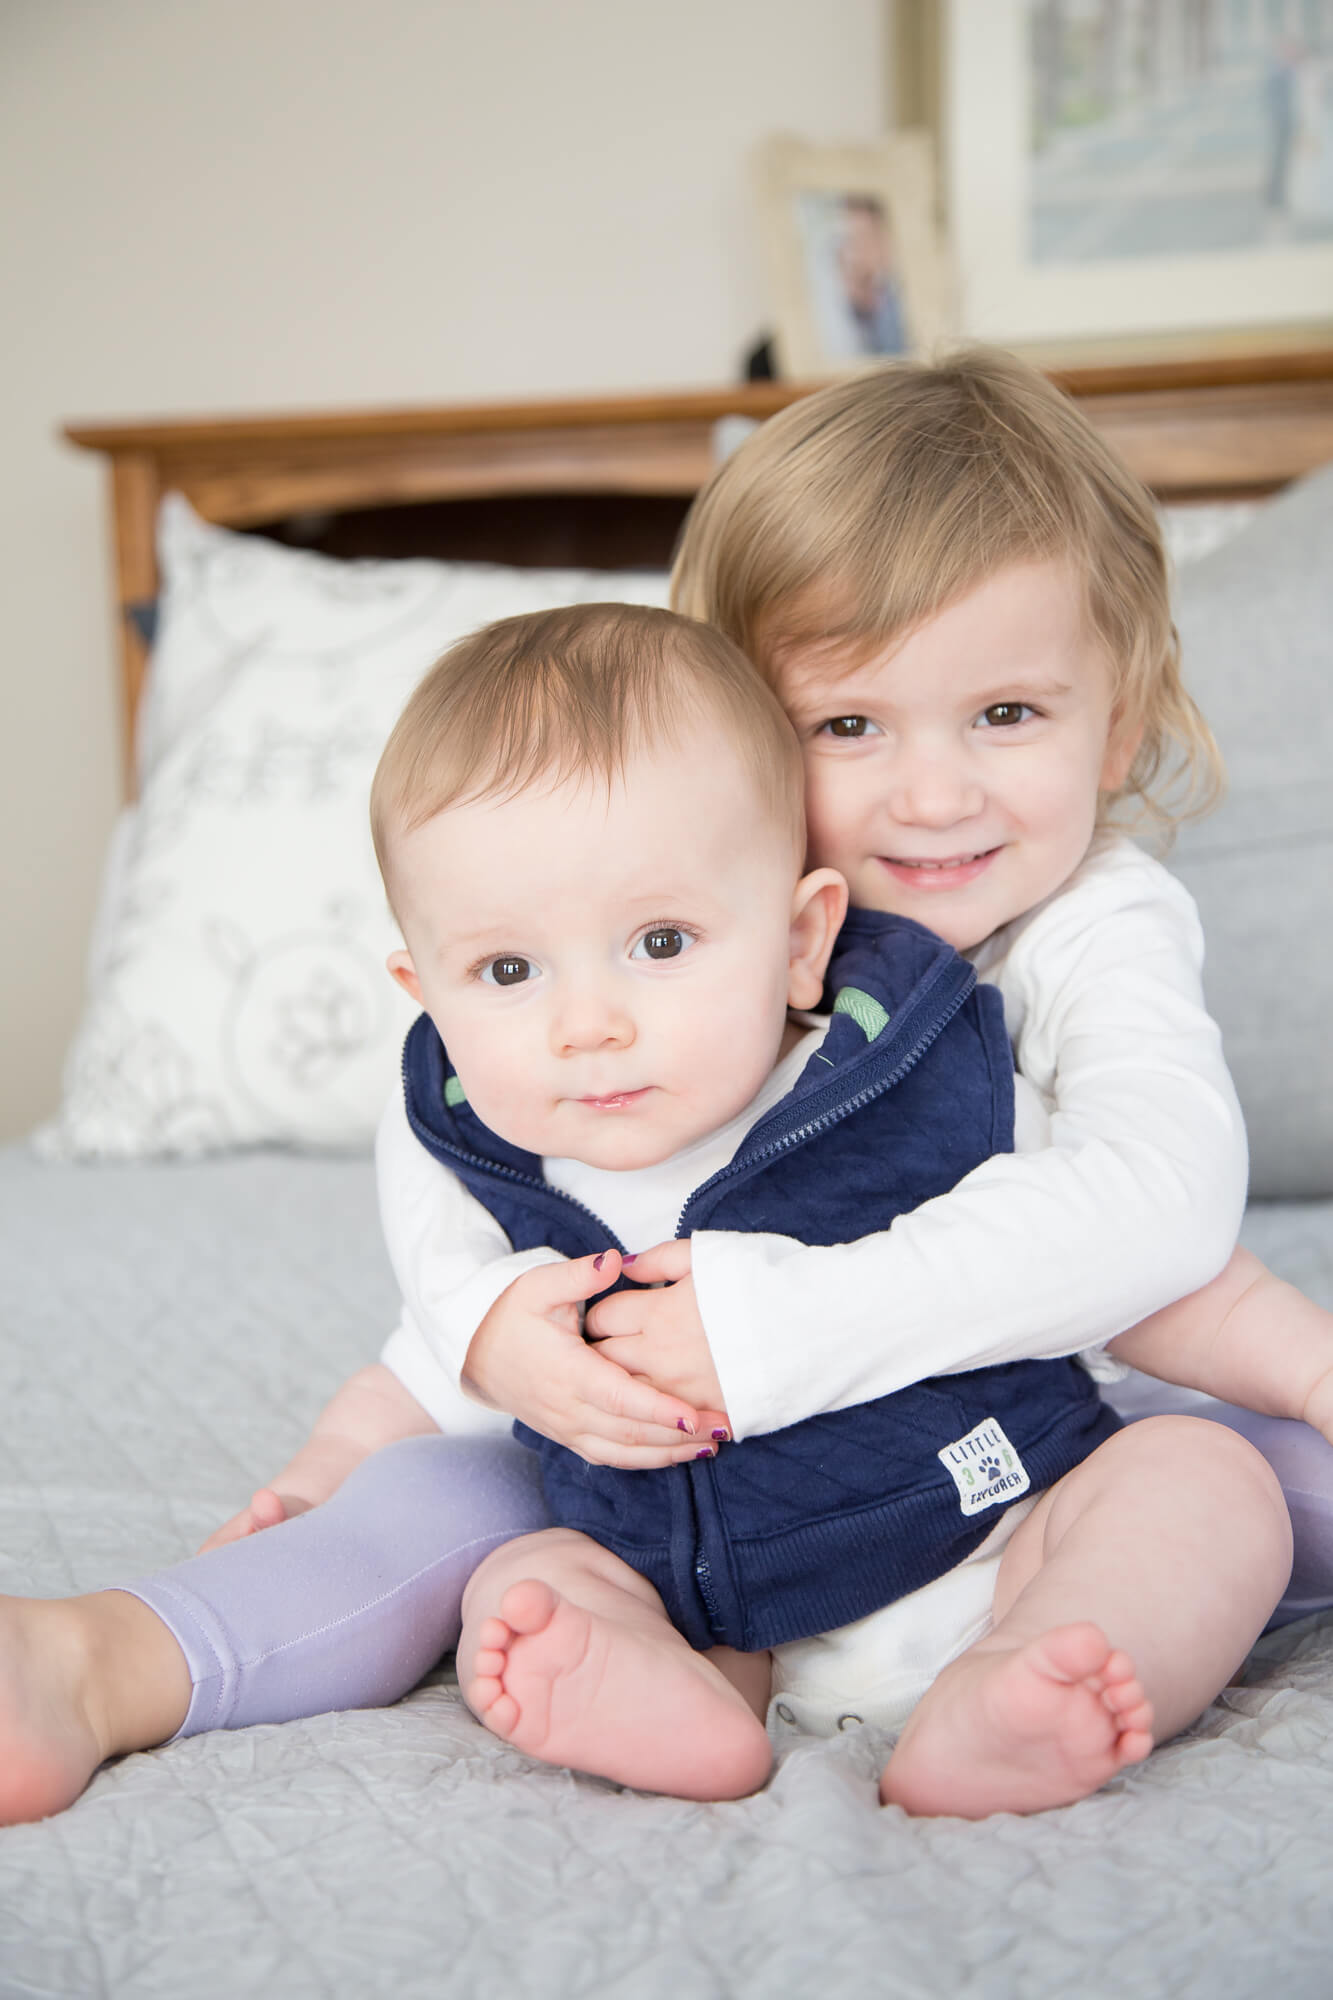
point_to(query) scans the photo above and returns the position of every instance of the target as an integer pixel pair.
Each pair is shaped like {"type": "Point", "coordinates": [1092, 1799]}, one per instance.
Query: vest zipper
{"type": "Point", "coordinates": [837, 1112]}
{"type": "Point", "coordinates": [703, 1576]}
{"type": "Point", "coordinates": [703, 1573]}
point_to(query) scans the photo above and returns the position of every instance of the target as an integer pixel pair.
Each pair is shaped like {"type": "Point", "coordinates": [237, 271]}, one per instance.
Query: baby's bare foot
{"type": "Point", "coordinates": [1017, 1731]}
{"type": "Point", "coordinates": [49, 1748]}
{"type": "Point", "coordinates": [629, 1701]}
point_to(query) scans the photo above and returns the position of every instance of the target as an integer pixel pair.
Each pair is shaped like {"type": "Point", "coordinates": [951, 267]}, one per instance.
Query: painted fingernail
{"type": "Point", "coordinates": [709, 1451]}
{"type": "Point", "coordinates": [598, 1262]}
{"type": "Point", "coordinates": [722, 1437]}
{"type": "Point", "coordinates": [681, 1425]}
{"type": "Point", "coordinates": [630, 1257]}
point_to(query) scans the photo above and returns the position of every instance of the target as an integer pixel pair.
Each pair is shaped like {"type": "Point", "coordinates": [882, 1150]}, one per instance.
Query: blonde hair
{"type": "Point", "coordinates": [573, 693]}
{"type": "Point", "coordinates": [864, 509]}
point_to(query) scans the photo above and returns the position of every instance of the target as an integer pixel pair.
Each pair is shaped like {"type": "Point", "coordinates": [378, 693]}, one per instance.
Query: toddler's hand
{"type": "Point", "coordinates": [529, 1358]}
{"type": "Point", "coordinates": [265, 1510]}
{"type": "Point", "coordinates": [659, 1334]}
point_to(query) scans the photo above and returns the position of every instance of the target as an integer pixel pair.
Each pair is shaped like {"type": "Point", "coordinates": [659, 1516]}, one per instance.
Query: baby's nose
{"type": "Point", "coordinates": [591, 1018]}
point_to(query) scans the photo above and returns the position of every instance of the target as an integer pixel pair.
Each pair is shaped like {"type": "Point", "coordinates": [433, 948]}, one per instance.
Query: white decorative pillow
{"type": "Point", "coordinates": [238, 991]}
{"type": "Point", "coordinates": [1256, 632]}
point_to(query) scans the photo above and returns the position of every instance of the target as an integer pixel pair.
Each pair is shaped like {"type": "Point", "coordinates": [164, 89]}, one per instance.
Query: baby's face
{"type": "Point", "coordinates": [955, 777]}
{"type": "Point", "coordinates": [609, 972]}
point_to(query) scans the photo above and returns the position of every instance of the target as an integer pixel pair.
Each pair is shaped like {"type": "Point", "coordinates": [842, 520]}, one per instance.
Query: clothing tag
{"type": "Point", "coordinates": [984, 1467]}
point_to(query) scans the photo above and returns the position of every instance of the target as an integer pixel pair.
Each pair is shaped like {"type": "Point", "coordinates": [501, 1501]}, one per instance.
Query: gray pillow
{"type": "Point", "coordinates": [1256, 628]}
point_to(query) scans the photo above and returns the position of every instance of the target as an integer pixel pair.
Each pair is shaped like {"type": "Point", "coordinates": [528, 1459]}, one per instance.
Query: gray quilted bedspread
{"type": "Point", "coordinates": [166, 1333]}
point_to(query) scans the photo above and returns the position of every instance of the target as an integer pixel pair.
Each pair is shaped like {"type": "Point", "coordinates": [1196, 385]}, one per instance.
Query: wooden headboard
{"type": "Point", "coordinates": [607, 483]}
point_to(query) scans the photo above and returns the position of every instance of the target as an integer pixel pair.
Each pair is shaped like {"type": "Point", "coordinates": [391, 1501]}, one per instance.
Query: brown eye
{"type": "Point", "coordinates": [846, 725]}
{"type": "Point", "coordinates": [1004, 714]}
{"type": "Point", "coordinates": [665, 941]}
{"type": "Point", "coordinates": [507, 971]}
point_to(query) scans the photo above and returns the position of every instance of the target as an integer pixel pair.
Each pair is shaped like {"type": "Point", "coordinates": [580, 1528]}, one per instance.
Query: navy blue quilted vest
{"type": "Point", "coordinates": [804, 1529]}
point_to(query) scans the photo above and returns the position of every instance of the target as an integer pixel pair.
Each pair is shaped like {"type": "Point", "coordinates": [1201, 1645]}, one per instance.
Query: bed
{"type": "Point", "coordinates": [187, 1268]}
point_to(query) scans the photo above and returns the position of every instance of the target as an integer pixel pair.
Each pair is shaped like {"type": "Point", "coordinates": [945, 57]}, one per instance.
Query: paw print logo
{"type": "Point", "coordinates": [990, 1469]}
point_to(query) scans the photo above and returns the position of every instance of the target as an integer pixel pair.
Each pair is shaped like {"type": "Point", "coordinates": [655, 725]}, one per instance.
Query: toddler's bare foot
{"type": "Point", "coordinates": [49, 1747]}
{"type": "Point", "coordinates": [1019, 1730]}
{"type": "Point", "coordinates": [629, 1701]}
{"type": "Point", "coordinates": [81, 1679]}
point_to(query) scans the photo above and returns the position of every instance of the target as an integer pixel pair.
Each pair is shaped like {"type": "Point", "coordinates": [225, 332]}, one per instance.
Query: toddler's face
{"type": "Point", "coordinates": [610, 973]}
{"type": "Point", "coordinates": [955, 777]}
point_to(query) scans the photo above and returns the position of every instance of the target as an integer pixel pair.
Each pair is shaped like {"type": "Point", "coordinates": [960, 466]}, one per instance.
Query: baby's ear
{"type": "Point", "coordinates": [402, 969]}
{"type": "Point", "coordinates": [818, 906]}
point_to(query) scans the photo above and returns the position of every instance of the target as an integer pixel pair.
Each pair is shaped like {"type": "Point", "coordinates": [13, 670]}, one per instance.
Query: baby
{"type": "Point", "coordinates": [591, 831]}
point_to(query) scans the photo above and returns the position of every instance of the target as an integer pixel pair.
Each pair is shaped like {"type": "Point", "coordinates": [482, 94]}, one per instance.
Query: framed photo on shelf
{"type": "Point", "coordinates": [857, 270]}
{"type": "Point", "coordinates": [1130, 169]}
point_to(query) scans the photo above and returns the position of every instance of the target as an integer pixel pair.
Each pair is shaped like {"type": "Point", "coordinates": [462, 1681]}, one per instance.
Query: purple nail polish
{"type": "Point", "coordinates": [709, 1451]}
{"type": "Point", "coordinates": [681, 1425]}
{"type": "Point", "coordinates": [722, 1437]}
{"type": "Point", "coordinates": [598, 1262]}
{"type": "Point", "coordinates": [630, 1257]}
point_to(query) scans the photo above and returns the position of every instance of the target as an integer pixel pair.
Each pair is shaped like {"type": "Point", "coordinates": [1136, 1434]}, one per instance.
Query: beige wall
{"type": "Point", "coordinates": [262, 204]}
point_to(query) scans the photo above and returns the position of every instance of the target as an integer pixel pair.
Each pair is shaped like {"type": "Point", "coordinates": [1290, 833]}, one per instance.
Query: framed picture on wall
{"type": "Point", "coordinates": [856, 266]}
{"type": "Point", "coordinates": [1130, 167]}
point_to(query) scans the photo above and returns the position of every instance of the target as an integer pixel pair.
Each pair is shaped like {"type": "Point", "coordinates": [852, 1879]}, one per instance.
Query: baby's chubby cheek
{"type": "Point", "coordinates": [512, 1114]}
{"type": "Point", "coordinates": [490, 1083]}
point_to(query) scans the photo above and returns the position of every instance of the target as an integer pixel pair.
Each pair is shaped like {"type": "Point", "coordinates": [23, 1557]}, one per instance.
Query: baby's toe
{"type": "Point", "coordinates": [530, 1605]}
{"type": "Point", "coordinates": [1121, 1696]}
{"type": "Point", "coordinates": [502, 1713]}
{"type": "Point", "coordinates": [1134, 1745]}
{"type": "Point", "coordinates": [1137, 1720]}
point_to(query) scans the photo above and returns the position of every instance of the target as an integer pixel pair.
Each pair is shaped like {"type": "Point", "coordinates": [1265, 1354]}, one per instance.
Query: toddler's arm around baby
{"type": "Point", "coordinates": [1136, 1201]}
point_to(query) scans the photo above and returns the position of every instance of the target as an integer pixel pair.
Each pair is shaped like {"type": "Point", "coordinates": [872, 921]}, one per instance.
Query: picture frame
{"type": "Point", "coordinates": [1145, 174]}
{"type": "Point", "coordinates": [858, 273]}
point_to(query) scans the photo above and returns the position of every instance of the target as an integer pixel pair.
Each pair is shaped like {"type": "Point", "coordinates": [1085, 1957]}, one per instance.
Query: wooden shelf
{"type": "Point", "coordinates": [1210, 426]}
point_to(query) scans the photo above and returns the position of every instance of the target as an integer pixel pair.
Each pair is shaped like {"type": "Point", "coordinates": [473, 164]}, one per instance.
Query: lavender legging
{"type": "Point", "coordinates": [349, 1606]}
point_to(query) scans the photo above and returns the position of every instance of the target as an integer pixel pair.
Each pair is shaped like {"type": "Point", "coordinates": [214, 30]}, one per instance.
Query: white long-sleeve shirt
{"type": "Point", "coordinates": [1135, 1199]}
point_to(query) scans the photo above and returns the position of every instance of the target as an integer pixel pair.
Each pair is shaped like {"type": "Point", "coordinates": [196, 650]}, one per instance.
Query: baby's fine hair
{"type": "Point", "coordinates": [866, 508]}
{"type": "Point", "coordinates": [570, 694]}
